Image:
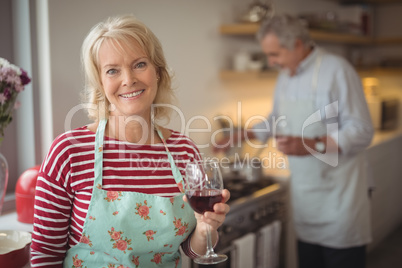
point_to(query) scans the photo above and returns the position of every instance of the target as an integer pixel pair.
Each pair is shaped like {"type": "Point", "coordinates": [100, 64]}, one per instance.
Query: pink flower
{"type": "Point", "coordinates": [121, 245]}
{"type": "Point", "coordinates": [3, 98]}
{"type": "Point", "coordinates": [180, 185]}
{"type": "Point", "coordinates": [19, 87]}
{"type": "Point", "coordinates": [77, 262]}
{"type": "Point", "coordinates": [149, 234]}
{"type": "Point", "coordinates": [112, 195]}
{"type": "Point", "coordinates": [181, 230]}
{"type": "Point", "coordinates": [136, 261]}
{"type": "Point", "coordinates": [13, 80]}
{"type": "Point", "coordinates": [143, 211]}
{"type": "Point", "coordinates": [84, 239]}
{"type": "Point", "coordinates": [157, 258]}
{"type": "Point", "coordinates": [177, 224]}
{"type": "Point", "coordinates": [115, 235]}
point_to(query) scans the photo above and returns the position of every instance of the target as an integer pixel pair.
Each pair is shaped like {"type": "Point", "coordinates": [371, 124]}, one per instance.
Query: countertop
{"type": "Point", "coordinates": [380, 137]}
{"type": "Point", "coordinates": [9, 222]}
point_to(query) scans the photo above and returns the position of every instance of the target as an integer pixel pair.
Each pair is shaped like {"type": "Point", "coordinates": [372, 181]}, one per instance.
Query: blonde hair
{"type": "Point", "coordinates": [123, 30]}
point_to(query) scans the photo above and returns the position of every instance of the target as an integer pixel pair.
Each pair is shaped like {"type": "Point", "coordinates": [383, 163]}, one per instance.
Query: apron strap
{"type": "Point", "coordinates": [175, 170]}
{"type": "Point", "coordinates": [98, 166]}
{"type": "Point", "coordinates": [314, 81]}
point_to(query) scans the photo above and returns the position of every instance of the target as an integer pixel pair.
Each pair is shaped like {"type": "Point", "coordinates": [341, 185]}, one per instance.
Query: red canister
{"type": "Point", "coordinates": [25, 194]}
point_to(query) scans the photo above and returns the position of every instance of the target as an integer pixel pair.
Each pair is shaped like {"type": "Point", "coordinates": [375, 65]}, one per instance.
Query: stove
{"type": "Point", "coordinates": [253, 205]}
{"type": "Point", "coordinates": [240, 187]}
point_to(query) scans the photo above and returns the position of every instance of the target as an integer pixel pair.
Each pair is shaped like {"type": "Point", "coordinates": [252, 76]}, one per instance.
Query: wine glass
{"type": "Point", "coordinates": [203, 189]}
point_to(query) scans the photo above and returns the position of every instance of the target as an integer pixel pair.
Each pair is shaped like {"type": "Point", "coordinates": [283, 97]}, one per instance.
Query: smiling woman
{"type": "Point", "coordinates": [107, 189]}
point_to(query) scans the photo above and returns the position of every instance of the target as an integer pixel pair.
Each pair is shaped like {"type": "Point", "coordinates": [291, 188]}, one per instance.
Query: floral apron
{"type": "Point", "coordinates": [131, 229]}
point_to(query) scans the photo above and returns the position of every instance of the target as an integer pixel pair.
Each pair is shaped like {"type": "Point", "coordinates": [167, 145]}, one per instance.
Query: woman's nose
{"type": "Point", "coordinates": [129, 78]}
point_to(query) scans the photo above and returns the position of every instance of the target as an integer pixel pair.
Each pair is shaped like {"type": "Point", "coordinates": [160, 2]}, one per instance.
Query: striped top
{"type": "Point", "coordinates": [65, 182]}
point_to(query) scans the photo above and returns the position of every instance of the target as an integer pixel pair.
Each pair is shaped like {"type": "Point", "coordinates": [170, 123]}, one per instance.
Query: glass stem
{"type": "Point", "coordinates": [210, 250]}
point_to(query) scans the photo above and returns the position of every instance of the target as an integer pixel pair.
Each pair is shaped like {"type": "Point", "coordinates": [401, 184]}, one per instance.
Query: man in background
{"type": "Point", "coordinates": [320, 101]}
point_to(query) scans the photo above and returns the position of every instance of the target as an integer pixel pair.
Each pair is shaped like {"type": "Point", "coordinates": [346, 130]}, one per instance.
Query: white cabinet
{"type": "Point", "coordinates": [384, 160]}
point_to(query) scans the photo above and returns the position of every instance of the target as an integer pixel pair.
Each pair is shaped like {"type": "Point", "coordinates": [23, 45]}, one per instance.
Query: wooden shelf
{"type": "Point", "coordinates": [388, 41]}
{"type": "Point", "coordinates": [239, 28]}
{"type": "Point", "coordinates": [379, 71]}
{"type": "Point", "coordinates": [340, 38]}
{"type": "Point", "coordinates": [236, 75]}
{"type": "Point", "coordinates": [230, 75]}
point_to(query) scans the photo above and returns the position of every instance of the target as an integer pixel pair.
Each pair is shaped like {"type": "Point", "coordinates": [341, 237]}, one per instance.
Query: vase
{"type": "Point", "coordinates": [3, 179]}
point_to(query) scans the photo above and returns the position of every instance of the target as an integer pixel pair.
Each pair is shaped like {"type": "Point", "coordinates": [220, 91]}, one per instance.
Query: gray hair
{"type": "Point", "coordinates": [287, 28]}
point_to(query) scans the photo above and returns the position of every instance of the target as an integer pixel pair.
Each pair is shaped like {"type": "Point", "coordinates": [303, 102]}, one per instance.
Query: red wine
{"type": "Point", "coordinates": [204, 200]}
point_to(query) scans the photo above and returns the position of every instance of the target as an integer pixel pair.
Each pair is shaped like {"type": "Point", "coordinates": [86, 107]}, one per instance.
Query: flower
{"type": "Point", "coordinates": [12, 82]}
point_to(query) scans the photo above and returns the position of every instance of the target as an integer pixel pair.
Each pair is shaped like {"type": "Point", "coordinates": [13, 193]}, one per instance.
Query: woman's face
{"type": "Point", "coordinates": [128, 78]}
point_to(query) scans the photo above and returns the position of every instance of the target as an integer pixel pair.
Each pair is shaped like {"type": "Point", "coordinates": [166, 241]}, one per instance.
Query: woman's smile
{"type": "Point", "coordinates": [133, 94]}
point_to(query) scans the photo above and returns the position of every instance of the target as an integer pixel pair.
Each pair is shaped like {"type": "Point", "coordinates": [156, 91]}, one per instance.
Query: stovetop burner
{"type": "Point", "coordinates": [240, 187]}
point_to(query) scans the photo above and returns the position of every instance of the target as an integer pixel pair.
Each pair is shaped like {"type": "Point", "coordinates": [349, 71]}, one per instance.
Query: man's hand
{"type": "Point", "coordinates": [297, 146]}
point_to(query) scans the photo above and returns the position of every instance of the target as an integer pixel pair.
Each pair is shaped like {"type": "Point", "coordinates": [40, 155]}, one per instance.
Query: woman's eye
{"type": "Point", "coordinates": [141, 65]}
{"type": "Point", "coordinates": [111, 71]}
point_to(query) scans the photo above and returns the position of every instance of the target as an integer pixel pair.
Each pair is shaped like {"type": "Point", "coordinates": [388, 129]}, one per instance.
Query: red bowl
{"type": "Point", "coordinates": [14, 248]}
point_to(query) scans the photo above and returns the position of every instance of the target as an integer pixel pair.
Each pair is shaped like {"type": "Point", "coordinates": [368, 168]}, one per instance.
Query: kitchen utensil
{"type": "Point", "coordinates": [14, 248]}
{"type": "Point", "coordinates": [257, 12]}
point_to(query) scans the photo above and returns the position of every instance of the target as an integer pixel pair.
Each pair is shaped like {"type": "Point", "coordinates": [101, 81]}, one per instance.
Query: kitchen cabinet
{"type": "Point", "coordinates": [383, 160]}
{"type": "Point", "coordinates": [244, 29]}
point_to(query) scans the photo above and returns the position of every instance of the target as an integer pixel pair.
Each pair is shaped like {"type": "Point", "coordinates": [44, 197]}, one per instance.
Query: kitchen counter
{"type": "Point", "coordinates": [382, 136]}
{"type": "Point", "coordinates": [9, 221]}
